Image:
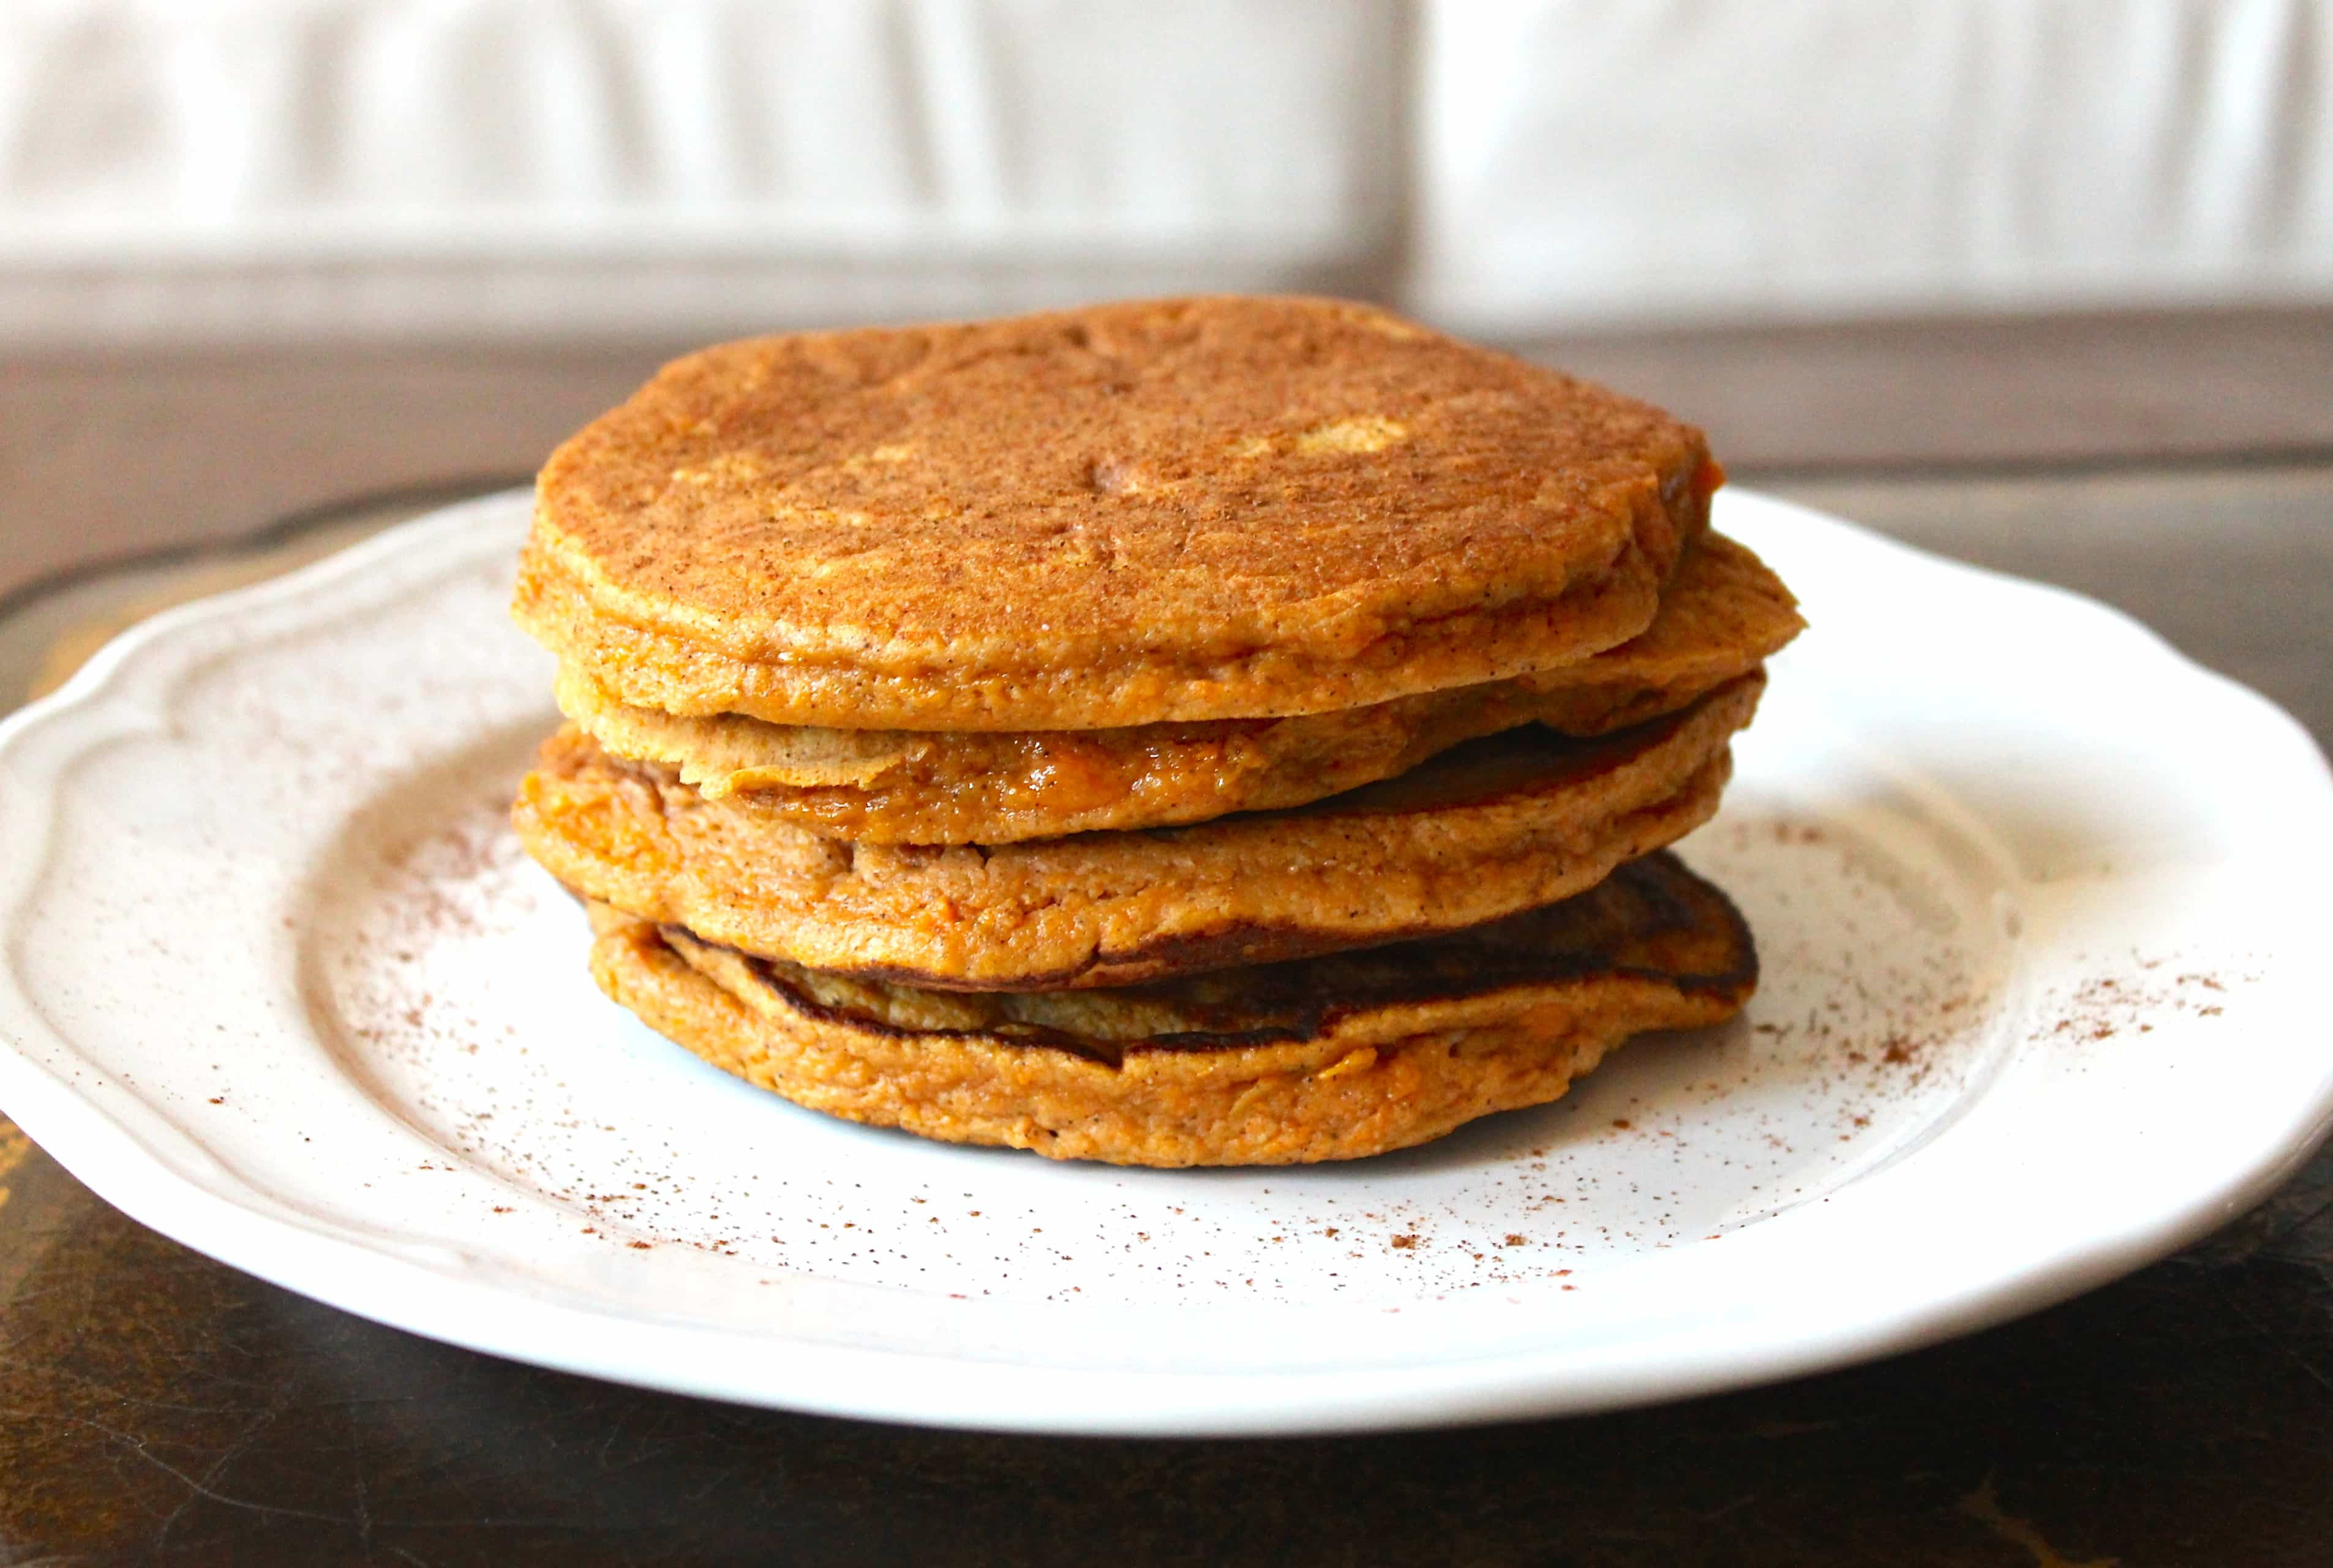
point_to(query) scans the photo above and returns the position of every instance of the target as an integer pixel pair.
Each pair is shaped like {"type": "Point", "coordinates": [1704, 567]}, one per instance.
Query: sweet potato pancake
{"type": "Point", "coordinates": [1502, 824]}
{"type": "Point", "coordinates": [1175, 732]}
{"type": "Point", "coordinates": [1323, 1058]}
{"type": "Point", "coordinates": [1722, 615]}
{"type": "Point", "coordinates": [1195, 509]}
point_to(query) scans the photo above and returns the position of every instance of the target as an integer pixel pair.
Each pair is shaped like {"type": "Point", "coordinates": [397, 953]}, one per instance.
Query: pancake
{"type": "Point", "coordinates": [1128, 514]}
{"type": "Point", "coordinates": [1322, 1058]}
{"type": "Point", "coordinates": [1500, 823]}
{"type": "Point", "coordinates": [1720, 616]}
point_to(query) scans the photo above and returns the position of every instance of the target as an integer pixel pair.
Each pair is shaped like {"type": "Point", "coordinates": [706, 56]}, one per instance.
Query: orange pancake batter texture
{"type": "Point", "coordinates": [1193, 731]}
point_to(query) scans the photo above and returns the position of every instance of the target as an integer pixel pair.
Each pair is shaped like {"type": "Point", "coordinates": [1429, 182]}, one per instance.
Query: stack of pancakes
{"type": "Point", "coordinates": [1215, 732]}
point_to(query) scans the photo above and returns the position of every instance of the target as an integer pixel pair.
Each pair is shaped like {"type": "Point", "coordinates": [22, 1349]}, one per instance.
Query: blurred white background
{"type": "Point", "coordinates": [201, 170]}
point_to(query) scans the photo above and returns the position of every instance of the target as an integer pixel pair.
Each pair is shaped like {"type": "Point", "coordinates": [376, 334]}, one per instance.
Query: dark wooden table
{"type": "Point", "coordinates": [156, 1407]}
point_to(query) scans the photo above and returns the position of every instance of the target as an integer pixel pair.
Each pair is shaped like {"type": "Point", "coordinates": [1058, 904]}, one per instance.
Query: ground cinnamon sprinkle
{"type": "Point", "coordinates": [1872, 1019]}
{"type": "Point", "coordinates": [2102, 1007]}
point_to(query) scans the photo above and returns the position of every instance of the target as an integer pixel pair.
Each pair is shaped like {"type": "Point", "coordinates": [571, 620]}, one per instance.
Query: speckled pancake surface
{"type": "Point", "coordinates": [1501, 823]}
{"type": "Point", "coordinates": [1722, 614]}
{"type": "Point", "coordinates": [1127, 515]}
{"type": "Point", "coordinates": [1323, 1058]}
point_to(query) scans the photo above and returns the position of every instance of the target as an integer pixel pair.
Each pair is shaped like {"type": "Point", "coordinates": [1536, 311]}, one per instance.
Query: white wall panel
{"type": "Point", "coordinates": [214, 169]}
{"type": "Point", "coordinates": [223, 166]}
{"type": "Point", "coordinates": [1667, 160]}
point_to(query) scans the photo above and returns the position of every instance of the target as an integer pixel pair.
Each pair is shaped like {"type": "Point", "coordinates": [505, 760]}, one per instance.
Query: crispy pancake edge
{"type": "Point", "coordinates": [1363, 1082]}
{"type": "Point", "coordinates": [1722, 614]}
{"type": "Point", "coordinates": [1480, 833]}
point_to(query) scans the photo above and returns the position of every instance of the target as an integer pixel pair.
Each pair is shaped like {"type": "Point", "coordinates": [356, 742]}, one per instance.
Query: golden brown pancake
{"type": "Point", "coordinates": [1501, 823]}
{"type": "Point", "coordinates": [1190, 732]}
{"type": "Point", "coordinates": [1321, 1058]}
{"type": "Point", "coordinates": [1127, 515]}
{"type": "Point", "coordinates": [1722, 614]}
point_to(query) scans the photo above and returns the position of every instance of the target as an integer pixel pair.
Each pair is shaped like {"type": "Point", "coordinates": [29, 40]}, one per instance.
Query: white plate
{"type": "Point", "coordinates": [2040, 905]}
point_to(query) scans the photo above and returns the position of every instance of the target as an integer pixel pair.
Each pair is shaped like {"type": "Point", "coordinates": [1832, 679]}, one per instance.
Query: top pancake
{"type": "Point", "coordinates": [1134, 513]}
